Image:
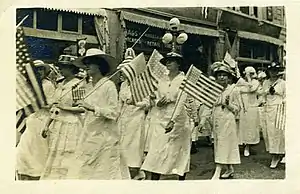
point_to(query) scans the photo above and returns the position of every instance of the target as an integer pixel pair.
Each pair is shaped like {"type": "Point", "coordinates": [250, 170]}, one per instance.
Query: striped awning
{"type": "Point", "coordinates": [84, 11]}
{"type": "Point", "coordinates": [260, 37]}
{"type": "Point", "coordinates": [164, 24]}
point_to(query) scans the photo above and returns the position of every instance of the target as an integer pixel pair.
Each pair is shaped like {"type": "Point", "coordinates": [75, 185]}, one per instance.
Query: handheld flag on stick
{"type": "Point", "coordinates": [201, 87]}
{"type": "Point", "coordinates": [30, 94]}
{"type": "Point", "coordinates": [142, 82]}
{"type": "Point", "coordinates": [158, 70]}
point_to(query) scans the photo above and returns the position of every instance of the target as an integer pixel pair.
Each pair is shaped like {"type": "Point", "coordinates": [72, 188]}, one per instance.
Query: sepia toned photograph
{"type": "Point", "coordinates": [149, 94]}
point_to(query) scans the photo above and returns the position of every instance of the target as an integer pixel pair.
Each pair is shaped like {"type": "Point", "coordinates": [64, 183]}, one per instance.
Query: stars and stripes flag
{"type": "Point", "coordinates": [280, 120]}
{"type": "Point", "coordinates": [201, 87]}
{"type": "Point", "coordinates": [29, 93]}
{"type": "Point", "coordinates": [143, 78]}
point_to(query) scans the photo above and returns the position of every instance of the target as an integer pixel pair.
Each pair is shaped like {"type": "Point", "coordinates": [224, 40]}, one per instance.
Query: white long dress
{"type": "Point", "coordinates": [131, 124]}
{"type": "Point", "coordinates": [169, 153]}
{"type": "Point", "coordinates": [32, 150]}
{"type": "Point", "coordinates": [64, 133]}
{"type": "Point", "coordinates": [249, 115]}
{"type": "Point", "coordinates": [226, 149]}
{"type": "Point", "coordinates": [275, 137]}
{"type": "Point", "coordinates": [98, 155]}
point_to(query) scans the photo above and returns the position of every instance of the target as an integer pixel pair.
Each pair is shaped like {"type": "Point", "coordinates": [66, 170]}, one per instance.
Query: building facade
{"type": "Point", "coordinates": [253, 35]}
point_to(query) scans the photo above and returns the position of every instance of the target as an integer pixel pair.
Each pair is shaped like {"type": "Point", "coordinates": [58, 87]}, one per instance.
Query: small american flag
{"type": "Point", "coordinates": [78, 93]}
{"type": "Point", "coordinates": [142, 82]}
{"type": "Point", "coordinates": [280, 119]}
{"type": "Point", "coordinates": [29, 93]}
{"type": "Point", "coordinates": [201, 87]}
{"type": "Point", "coordinates": [158, 70]}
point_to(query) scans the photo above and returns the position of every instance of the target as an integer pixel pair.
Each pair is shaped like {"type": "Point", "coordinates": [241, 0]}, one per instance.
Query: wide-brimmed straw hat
{"type": "Point", "coordinates": [94, 53]}
{"type": "Point", "coordinates": [172, 56]}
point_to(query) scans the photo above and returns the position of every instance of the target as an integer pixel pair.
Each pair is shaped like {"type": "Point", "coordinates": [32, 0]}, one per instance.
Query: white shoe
{"type": "Point", "coordinates": [246, 153]}
{"type": "Point", "coordinates": [215, 178]}
{"type": "Point", "coordinates": [140, 176]}
{"type": "Point", "coordinates": [283, 160]}
{"type": "Point", "coordinates": [274, 163]}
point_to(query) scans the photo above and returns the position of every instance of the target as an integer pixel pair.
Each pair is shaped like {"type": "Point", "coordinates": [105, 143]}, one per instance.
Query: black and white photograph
{"type": "Point", "coordinates": [150, 93]}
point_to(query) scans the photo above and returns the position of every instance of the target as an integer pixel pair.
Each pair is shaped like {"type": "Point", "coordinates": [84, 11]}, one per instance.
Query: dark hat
{"type": "Point", "coordinates": [172, 56]}
{"type": "Point", "coordinates": [67, 60]}
{"type": "Point", "coordinates": [275, 66]}
{"type": "Point", "coordinates": [222, 66]}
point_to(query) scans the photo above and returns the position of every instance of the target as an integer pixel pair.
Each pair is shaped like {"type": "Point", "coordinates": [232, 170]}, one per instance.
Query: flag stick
{"type": "Point", "coordinates": [180, 94]}
{"type": "Point", "coordinates": [22, 21]}
{"type": "Point", "coordinates": [92, 91]}
{"type": "Point", "coordinates": [140, 37]}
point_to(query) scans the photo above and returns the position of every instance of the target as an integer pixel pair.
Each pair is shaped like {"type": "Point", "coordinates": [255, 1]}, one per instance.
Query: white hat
{"type": "Point", "coordinates": [262, 75]}
{"type": "Point", "coordinates": [96, 53]}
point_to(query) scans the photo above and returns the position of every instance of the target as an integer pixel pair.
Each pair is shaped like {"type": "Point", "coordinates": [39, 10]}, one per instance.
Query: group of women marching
{"type": "Point", "coordinates": [106, 136]}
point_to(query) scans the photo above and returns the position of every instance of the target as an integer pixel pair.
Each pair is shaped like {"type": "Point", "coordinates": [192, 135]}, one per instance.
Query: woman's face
{"type": "Point", "coordinates": [92, 69]}
{"type": "Point", "coordinates": [172, 65]}
{"type": "Point", "coordinates": [273, 73]}
{"type": "Point", "coordinates": [65, 70]}
{"type": "Point", "coordinates": [222, 78]}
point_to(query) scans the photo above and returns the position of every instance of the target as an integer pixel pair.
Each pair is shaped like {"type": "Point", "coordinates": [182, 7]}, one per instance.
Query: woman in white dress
{"type": "Point", "coordinates": [224, 113]}
{"type": "Point", "coordinates": [249, 117]}
{"type": "Point", "coordinates": [32, 150]}
{"type": "Point", "coordinates": [64, 127]}
{"type": "Point", "coordinates": [261, 108]}
{"type": "Point", "coordinates": [169, 153]}
{"type": "Point", "coordinates": [131, 123]}
{"type": "Point", "coordinates": [274, 92]}
{"type": "Point", "coordinates": [98, 155]}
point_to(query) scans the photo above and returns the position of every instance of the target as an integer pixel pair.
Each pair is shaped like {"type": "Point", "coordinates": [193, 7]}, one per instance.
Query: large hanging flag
{"type": "Point", "coordinates": [201, 87]}
{"type": "Point", "coordinates": [29, 93]}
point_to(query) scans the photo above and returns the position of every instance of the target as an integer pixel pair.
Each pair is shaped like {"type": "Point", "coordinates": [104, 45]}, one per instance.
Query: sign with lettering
{"type": "Point", "coordinates": [151, 40]}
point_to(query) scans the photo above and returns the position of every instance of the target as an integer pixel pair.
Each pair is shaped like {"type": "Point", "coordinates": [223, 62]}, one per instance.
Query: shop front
{"type": "Point", "coordinates": [197, 50]}
{"type": "Point", "coordinates": [49, 31]}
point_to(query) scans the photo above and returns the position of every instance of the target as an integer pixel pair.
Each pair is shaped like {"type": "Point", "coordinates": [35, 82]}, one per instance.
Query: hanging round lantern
{"type": "Point", "coordinates": [182, 38]}
{"type": "Point", "coordinates": [174, 24]}
{"type": "Point", "coordinates": [167, 38]}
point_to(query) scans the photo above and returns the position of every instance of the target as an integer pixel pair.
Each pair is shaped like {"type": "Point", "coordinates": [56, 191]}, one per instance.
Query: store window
{"type": "Point", "coordinates": [22, 13]}
{"type": "Point", "coordinates": [245, 10]}
{"type": "Point", "coordinates": [47, 20]}
{"type": "Point", "coordinates": [255, 11]}
{"type": "Point", "coordinates": [70, 22]}
{"type": "Point", "coordinates": [88, 25]}
{"type": "Point", "coordinates": [255, 49]}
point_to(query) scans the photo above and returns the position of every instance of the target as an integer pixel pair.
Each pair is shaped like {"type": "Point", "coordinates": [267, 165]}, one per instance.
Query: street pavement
{"type": "Point", "coordinates": [255, 166]}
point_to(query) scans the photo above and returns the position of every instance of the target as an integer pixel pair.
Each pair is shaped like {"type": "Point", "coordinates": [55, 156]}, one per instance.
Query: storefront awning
{"type": "Point", "coordinates": [259, 37]}
{"type": "Point", "coordinates": [164, 24]}
{"type": "Point", "coordinates": [85, 11]}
